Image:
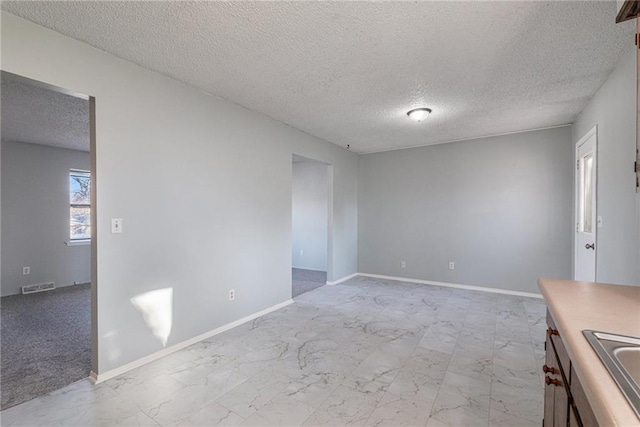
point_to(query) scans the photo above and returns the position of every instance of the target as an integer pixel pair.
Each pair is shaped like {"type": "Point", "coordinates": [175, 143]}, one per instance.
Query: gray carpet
{"type": "Point", "coordinates": [45, 342]}
{"type": "Point", "coordinates": [306, 280]}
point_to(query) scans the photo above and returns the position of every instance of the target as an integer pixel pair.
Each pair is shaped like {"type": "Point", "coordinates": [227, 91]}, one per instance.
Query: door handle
{"type": "Point", "coordinates": [590, 246]}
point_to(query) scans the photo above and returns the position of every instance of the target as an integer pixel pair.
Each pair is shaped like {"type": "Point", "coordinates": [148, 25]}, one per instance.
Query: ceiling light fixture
{"type": "Point", "coordinates": [419, 114]}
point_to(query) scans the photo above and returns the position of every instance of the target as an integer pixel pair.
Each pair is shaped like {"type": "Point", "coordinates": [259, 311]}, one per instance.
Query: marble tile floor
{"type": "Point", "coordinates": [366, 352]}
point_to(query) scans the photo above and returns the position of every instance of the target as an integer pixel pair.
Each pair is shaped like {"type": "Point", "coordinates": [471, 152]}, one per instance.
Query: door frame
{"type": "Point", "coordinates": [330, 201]}
{"type": "Point", "coordinates": [94, 210]}
{"type": "Point", "coordinates": [576, 200]}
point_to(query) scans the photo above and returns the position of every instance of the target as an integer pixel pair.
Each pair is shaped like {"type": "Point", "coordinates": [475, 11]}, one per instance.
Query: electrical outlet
{"type": "Point", "coordinates": [232, 294]}
{"type": "Point", "coordinates": [403, 264]}
{"type": "Point", "coordinates": [452, 265]}
{"type": "Point", "coordinates": [301, 252]}
{"type": "Point", "coordinates": [26, 270]}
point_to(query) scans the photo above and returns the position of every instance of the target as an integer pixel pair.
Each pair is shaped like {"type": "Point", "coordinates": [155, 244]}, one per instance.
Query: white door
{"type": "Point", "coordinates": [585, 191]}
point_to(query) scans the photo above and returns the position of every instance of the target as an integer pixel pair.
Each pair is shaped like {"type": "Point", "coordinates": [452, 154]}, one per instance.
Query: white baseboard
{"type": "Point", "coordinates": [344, 279]}
{"type": "Point", "coordinates": [310, 269]}
{"type": "Point", "coordinates": [453, 285]}
{"type": "Point", "coordinates": [98, 378]}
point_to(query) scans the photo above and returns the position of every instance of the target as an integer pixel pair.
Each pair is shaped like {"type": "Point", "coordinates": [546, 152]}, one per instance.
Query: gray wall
{"type": "Point", "coordinates": [310, 215]}
{"type": "Point", "coordinates": [499, 207]}
{"type": "Point", "coordinates": [613, 110]}
{"type": "Point", "coordinates": [203, 187]}
{"type": "Point", "coordinates": [35, 217]}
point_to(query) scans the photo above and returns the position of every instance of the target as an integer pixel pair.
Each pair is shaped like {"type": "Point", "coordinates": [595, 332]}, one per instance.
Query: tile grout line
{"type": "Point", "coordinates": [493, 357]}
{"type": "Point", "coordinates": [391, 382]}
{"type": "Point", "coordinates": [446, 370]}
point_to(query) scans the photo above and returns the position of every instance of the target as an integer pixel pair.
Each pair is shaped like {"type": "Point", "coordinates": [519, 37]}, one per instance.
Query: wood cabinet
{"type": "Point", "coordinates": [556, 397]}
{"type": "Point", "coordinates": [565, 403]}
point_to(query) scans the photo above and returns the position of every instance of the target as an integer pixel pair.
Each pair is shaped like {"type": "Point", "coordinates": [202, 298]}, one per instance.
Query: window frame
{"type": "Point", "coordinates": [82, 240]}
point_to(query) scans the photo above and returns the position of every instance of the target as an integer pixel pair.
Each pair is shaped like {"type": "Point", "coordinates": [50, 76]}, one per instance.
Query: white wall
{"type": "Point", "coordinates": [499, 207]}
{"type": "Point", "coordinates": [613, 110]}
{"type": "Point", "coordinates": [35, 217]}
{"type": "Point", "coordinates": [203, 187]}
{"type": "Point", "coordinates": [310, 215]}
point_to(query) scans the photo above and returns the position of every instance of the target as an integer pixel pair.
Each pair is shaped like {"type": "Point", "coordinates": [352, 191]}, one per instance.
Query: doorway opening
{"type": "Point", "coordinates": [586, 219]}
{"type": "Point", "coordinates": [48, 247]}
{"type": "Point", "coordinates": [311, 223]}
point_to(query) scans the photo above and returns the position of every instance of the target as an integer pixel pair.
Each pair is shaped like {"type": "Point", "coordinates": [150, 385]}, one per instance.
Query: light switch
{"type": "Point", "coordinates": [116, 225]}
{"type": "Point", "coordinates": [599, 221]}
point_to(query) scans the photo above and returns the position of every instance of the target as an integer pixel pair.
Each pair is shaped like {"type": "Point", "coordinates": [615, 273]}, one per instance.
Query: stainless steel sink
{"type": "Point", "coordinates": [629, 357]}
{"type": "Point", "coordinates": [621, 356]}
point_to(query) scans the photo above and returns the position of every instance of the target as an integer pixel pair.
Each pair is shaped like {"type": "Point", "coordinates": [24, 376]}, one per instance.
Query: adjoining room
{"type": "Point", "coordinates": [310, 221]}
{"type": "Point", "coordinates": [46, 240]}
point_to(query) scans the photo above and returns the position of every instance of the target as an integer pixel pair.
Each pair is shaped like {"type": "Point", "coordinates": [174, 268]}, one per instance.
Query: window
{"type": "Point", "coordinates": [79, 205]}
{"type": "Point", "coordinates": [587, 205]}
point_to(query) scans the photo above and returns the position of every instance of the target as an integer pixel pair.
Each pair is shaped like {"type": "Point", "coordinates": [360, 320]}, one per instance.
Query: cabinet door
{"type": "Point", "coordinates": [573, 421]}
{"type": "Point", "coordinates": [549, 390]}
{"type": "Point", "coordinates": [561, 403]}
{"type": "Point", "coordinates": [580, 404]}
{"type": "Point", "coordinates": [556, 398]}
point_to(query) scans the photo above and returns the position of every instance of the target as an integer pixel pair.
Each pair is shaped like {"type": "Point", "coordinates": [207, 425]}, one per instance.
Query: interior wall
{"type": "Point", "coordinates": [613, 110]}
{"type": "Point", "coordinates": [499, 208]}
{"type": "Point", "coordinates": [35, 217]}
{"type": "Point", "coordinates": [203, 187]}
{"type": "Point", "coordinates": [309, 215]}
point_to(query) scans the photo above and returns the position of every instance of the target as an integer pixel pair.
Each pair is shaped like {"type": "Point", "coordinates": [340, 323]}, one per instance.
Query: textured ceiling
{"type": "Point", "coordinates": [348, 71]}
{"type": "Point", "coordinates": [41, 116]}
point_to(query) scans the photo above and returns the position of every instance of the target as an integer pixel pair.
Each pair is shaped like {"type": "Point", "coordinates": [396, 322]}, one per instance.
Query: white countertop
{"type": "Point", "coordinates": [576, 306]}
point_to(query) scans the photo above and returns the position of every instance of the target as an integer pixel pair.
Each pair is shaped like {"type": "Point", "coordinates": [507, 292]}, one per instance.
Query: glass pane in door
{"type": "Point", "coordinates": [587, 189]}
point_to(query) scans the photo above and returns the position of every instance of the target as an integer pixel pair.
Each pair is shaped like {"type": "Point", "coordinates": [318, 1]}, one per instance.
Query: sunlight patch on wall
{"type": "Point", "coordinates": [156, 308]}
{"type": "Point", "coordinates": [111, 340]}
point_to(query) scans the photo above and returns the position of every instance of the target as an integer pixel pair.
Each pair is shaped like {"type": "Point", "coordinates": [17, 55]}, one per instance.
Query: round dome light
{"type": "Point", "coordinates": [419, 114]}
